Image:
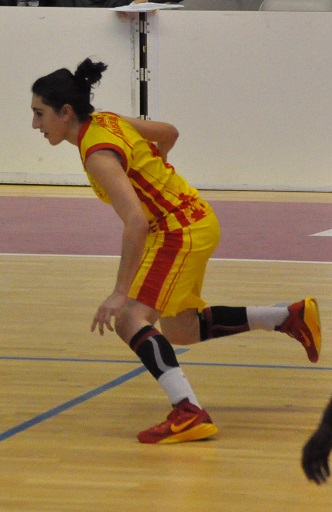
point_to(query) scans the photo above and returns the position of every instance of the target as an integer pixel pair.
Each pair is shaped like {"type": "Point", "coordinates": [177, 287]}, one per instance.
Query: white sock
{"type": "Point", "coordinates": [177, 387]}
{"type": "Point", "coordinates": [267, 318]}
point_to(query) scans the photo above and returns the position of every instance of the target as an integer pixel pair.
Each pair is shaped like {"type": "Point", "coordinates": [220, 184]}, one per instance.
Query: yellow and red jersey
{"type": "Point", "coordinates": [168, 201]}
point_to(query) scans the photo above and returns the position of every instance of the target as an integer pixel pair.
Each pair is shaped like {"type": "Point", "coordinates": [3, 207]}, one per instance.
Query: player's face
{"type": "Point", "coordinates": [51, 123]}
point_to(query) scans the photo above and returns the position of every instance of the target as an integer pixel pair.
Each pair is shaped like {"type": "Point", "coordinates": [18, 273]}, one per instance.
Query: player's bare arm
{"type": "Point", "coordinates": [163, 134]}
{"type": "Point", "coordinates": [316, 451]}
{"type": "Point", "coordinates": [105, 168]}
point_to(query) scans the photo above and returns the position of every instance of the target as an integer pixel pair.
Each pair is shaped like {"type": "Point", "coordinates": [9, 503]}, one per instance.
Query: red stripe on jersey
{"type": "Point", "coordinates": [107, 145]}
{"type": "Point", "coordinates": [159, 200]}
{"type": "Point", "coordinates": [152, 207]}
{"type": "Point", "coordinates": [160, 268]}
{"type": "Point", "coordinates": [182, 218]}
{"type": "Point", "coordinates": [151, 190]}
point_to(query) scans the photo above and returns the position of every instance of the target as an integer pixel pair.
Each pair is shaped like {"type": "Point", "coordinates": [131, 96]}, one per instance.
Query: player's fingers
{"type": "Point", "coordinates": [323, 473]}
{"type": "Point", "coordinates": [94, 324]}
{"type": "Point", "coordinates": [105, 320]}
{"type": "Point", "coordinates": [326, 468]}
{"type": "Point", "coordinates": [109, 326]}
{"type": "Point", "coordinates": [320, 476]}
{"type": "Point", "coordinates": [317, 473]}
{"type": "Point", "coordinates": [309, 472]}
{"type": "Point", "coordinates": [310, 467]}
{"type": "Point", "coordinates": [97, 320]}
{"type": "Point", "coordinates": [101, 319]}
{"type": "Point", "coordinates": [101, 327]}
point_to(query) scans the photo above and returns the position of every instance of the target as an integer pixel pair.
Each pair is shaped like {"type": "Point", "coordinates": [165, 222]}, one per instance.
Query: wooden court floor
{"type": "Point", "coordinates": [72, 402]}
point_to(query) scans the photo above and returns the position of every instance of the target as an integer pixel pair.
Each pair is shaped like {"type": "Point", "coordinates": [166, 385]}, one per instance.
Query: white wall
{"type": "Point", "coordinates": [249, 91]}
{"type": "Point", "coordinates": [251, 94]}
{"type": "Point", "coordinates": [37, 41]}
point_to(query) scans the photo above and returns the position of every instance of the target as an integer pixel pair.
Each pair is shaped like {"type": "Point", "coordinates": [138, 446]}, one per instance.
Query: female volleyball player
{"type": "Point", "coordinates": [168, 236]}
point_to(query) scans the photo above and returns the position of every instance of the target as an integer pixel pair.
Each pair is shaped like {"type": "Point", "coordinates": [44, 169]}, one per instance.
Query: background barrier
{"type": "Point", "coordinates": [250, 92]}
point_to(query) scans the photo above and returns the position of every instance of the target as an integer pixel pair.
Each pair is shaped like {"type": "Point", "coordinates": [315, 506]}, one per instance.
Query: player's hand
{"type": "Point", "coordinates": [107, 309]}
{"type": "Point", "coordinates": [315, 455]}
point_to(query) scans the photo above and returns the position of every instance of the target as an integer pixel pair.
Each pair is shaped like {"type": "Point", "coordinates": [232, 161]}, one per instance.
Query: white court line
{"type": "Point", "coordinates": [116, 256]}
{"type": "Point", "coordinates": [323, 233]}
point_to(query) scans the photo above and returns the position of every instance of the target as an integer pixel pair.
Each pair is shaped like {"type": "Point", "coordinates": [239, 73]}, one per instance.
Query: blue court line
{"type": "Point", "coordinates": [66, 360]}
{"type": "Point", "coordinates": [71, 403]}
{"type": "Point", "coordinates": [264, 366]}
{"type": "Point", "coordinates": [178, 352]}
{"type": "Point", "coordinates": [75, 401]}
{"type": "Point", "coordinates": [120, 380]}
{"type": "Point", "coordinates": [75, 360]}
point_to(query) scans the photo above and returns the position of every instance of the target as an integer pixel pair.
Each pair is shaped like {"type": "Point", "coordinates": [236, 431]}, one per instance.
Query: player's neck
{"type": "Point", "coordinates": [73, 131]}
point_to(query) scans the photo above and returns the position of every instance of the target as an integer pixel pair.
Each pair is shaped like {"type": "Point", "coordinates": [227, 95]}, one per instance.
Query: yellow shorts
{"type": "Point", "coordinates": [172, 270]}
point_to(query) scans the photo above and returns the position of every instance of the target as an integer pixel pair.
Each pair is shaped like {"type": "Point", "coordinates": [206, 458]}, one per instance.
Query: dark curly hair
{"type": "Point", "coordinates": [62, 86]}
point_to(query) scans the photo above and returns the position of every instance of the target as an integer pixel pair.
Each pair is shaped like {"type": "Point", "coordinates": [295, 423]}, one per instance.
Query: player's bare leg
{"type": "Point", "coordinates": [187, 421]}
{"type": "Point", "coordinates": [299, 320]}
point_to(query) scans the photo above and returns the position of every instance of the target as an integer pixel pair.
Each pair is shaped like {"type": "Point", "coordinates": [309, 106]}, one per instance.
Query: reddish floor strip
{"type": "Point", "coordinates": [85, 226]}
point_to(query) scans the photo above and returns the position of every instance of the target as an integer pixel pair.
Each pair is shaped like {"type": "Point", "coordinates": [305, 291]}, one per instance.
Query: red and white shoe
{"type": "Point", "coordinates": [303, 324]}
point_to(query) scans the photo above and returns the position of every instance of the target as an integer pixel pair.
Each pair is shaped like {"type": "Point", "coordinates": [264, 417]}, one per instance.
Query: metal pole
{"type": "Point", "coordinates": [143, 64]}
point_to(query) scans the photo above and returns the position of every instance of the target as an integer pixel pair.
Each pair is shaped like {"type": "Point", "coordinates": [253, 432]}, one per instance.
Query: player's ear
{"type": "Point", "coordinates": [67, 111]}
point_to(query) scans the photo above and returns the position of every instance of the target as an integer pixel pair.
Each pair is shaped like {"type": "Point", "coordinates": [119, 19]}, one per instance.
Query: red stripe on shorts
{"type": "Point", "coordinates": [160, 268]}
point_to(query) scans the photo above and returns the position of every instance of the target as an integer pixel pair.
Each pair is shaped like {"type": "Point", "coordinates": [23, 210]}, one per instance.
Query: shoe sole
{"type": "Point", "coordinates": [201, 431]}
{"type": "Point", "coordinates": [312, 321]}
